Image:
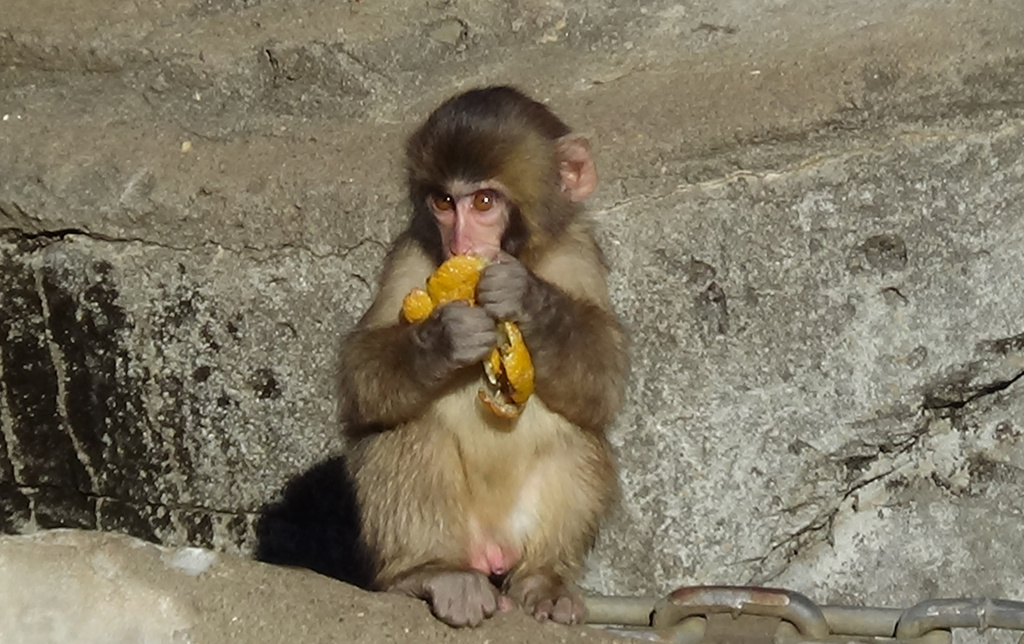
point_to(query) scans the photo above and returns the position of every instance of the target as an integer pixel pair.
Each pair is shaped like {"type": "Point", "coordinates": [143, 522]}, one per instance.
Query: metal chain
{"type": "Point", "coordinates": [755, 615]}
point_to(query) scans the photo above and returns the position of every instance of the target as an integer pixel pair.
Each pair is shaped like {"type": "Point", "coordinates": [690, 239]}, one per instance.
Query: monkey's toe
{"type": "Point", "coordinates": [565, 609]}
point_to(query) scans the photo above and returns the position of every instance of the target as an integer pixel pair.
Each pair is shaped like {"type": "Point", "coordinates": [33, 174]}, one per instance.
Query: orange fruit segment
{"type": "Point", "coordinates": [417, 305]}
{"type": "Point", "coordinates": [510, 373]}
{"type": "Point", "coordinates": [455, 279]}
{"type": "Point", "coordinates": [508, 370]}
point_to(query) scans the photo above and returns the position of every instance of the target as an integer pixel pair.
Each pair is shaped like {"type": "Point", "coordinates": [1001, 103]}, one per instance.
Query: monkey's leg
{"type": "Point", "coordinates": [543, 583]}
{"type": "Point", "coordinates": [412, 500]}
{"type": "Point", "coordinates": [458, 597]}
{"type": "Point", "coordinates": [573, 493]}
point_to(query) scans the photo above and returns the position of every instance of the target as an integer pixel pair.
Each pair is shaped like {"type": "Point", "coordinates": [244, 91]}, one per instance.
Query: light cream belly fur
{"type": "Point", "coordinates": [517, 476]}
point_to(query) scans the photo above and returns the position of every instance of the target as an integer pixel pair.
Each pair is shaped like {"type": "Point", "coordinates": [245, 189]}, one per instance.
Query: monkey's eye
{"type": "Point", "coordinates": [484, 200]}
{"type": "Point", "coordinates": [442, 203]}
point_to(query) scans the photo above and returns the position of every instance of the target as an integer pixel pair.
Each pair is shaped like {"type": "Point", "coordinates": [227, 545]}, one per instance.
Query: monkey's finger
{"type": "Point", "coordinates": [452, 308]}
{"type": "Point", "coordinates": [489, 601]}
{"type": "Point", "coordinates": [500, 302]}
{"type": "Point", "coordinates": [458, 310]}
{"type": "Point", "coordinates": [469, 323]}
{"type": "Point", "coordinates": [462, 598]}
{"type": "Point", "coordinates": [543, 610]}
{"type": "Point", "coordinates": [501, 290]}
{"type": "Point", "coordinates": [503, 310]}
{"type": "Point", "coordinates": [474, 348]}
{"type": "Point", "coordinates": [511, 271]}
{"type": "Point", "coordinates": [456, 614]}
{"type": "Point", "coordinates": [459, 319]}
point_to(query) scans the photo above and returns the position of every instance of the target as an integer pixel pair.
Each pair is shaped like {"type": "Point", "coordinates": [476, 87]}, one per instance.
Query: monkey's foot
{"type": "Point", "coordinates": [548, 597]}
{"type": "Point", "coordinates": [457, 597]}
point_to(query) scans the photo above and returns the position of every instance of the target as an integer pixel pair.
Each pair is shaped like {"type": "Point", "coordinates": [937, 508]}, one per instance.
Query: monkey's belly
{"type": "Point", "coordinates": [496, 531]}
{"type": "Point", "coordinates": [518, 490]}
{"type": "Point", "coordinates": [507, 513]}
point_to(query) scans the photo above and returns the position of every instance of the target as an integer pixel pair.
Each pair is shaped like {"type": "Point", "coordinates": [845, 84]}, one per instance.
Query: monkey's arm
{"type": "Point", "coordinates": [390, 373]}
{"type": "Point", "coordinates": [576, 342]}
{"type": "Point", "coordinates": [390, 370]}
{"type": "Point", "coordinates": [378, 386]}
{"type": "Point", "coordinates": [579, 354]}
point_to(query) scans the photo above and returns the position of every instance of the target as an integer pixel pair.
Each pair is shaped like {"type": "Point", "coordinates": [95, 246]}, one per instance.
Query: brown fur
{"type": "Point", "coordinates": [431, 466]}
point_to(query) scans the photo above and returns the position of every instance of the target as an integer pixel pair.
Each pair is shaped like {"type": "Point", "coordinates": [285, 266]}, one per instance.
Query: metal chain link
{"type": "Point", "coordinates": [754, 615]}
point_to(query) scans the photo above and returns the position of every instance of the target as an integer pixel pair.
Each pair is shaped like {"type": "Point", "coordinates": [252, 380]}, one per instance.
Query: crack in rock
{"type": "Point", "coordinates": [1001, 365]}
{"type": "Point", "coordinates": [961, 387]}
{"type": "Point", "coordinates": [46, 236]}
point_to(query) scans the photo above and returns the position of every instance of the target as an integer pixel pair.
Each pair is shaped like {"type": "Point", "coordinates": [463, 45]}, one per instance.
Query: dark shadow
{"type": "Point", "coordinates": [316, 526]}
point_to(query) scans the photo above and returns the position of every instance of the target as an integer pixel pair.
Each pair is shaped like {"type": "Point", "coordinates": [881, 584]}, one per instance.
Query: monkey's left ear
{"type": "Point", "coordinates": [579, 176]}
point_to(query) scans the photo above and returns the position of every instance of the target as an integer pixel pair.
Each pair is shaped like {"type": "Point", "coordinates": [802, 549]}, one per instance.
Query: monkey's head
{"type": "Point", "coordinates": [493, 170]}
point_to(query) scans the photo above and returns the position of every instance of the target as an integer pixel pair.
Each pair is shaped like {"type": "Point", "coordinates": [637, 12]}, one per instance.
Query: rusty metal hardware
{"type": "Point", "coordinates": [755, 615]}
{"type": "Point", "coordinates": [981, 614]}
{"type": "Point", "coordinates": [703, 601]}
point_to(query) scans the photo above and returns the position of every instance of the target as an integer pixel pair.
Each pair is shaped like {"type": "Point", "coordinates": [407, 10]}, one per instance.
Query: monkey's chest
{"type": "Point", "coordinates": [462, 415]}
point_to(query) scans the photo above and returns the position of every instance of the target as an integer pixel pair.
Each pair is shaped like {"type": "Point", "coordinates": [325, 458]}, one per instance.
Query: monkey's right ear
{"type": "Point", "coordinates": [579, 176]}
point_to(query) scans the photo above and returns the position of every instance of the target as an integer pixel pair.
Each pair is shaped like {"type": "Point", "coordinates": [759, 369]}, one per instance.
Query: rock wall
{"type": "Point", "coordinates": [813, 211]}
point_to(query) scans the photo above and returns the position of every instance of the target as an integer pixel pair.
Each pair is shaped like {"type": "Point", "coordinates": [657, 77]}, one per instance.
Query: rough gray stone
{"type": "Point", "coordinates": [102, 588]}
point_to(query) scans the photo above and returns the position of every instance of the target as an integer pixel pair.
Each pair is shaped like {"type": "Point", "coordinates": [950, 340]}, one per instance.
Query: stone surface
{"type": "Point", "coordinates": [101, 588]}
{"type": "Point", "coordinates": [814, 211]}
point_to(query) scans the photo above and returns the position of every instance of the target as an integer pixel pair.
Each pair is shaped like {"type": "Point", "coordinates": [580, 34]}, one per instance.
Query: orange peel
{"type": "Point", "coordinates": [509, 374]}
{"type": "Point", "coordinates": [508, 370]}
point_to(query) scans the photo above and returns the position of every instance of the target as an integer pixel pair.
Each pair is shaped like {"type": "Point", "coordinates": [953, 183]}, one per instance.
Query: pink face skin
{"type": "Point", "coordinates": [472, 218]}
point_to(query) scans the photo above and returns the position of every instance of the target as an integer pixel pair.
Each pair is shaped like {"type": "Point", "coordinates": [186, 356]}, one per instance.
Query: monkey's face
{"type": "Point", "coordinates": [471, 217]}
{"type": "Point", "coordinates": [494, 171]}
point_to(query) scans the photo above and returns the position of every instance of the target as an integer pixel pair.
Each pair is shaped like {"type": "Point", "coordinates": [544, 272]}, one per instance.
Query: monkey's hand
{"type": "Point", "coordinates": [455, 335]}
{"type": "Point", "coordinates": [576, 344]}
{"type": "Point", "coordinates": [505, 288]}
